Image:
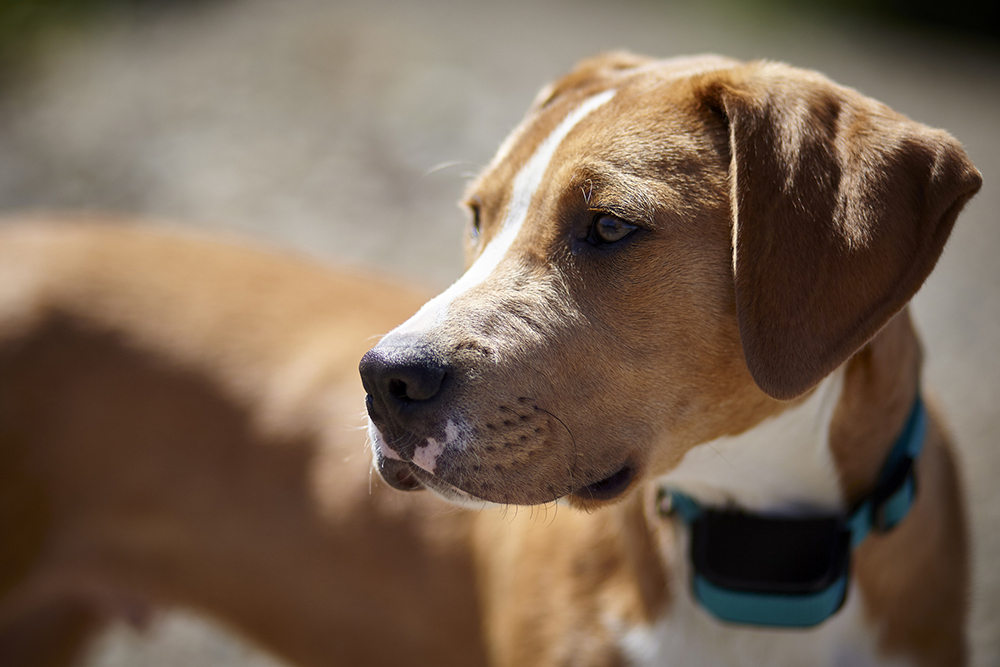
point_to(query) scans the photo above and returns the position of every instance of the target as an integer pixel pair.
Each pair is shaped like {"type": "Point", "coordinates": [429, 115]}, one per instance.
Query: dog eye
{"type": "Point", "coordinates": [608, 229]}
{"type": "Point", "coordinates": [476, 223]}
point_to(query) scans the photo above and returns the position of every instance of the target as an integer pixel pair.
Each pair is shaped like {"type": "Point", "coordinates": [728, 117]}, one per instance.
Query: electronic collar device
{"type": "Point", "coordinates": [756, 569]}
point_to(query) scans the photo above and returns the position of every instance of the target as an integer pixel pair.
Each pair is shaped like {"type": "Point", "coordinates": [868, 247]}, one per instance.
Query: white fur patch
{"type": "Point", "coordinates": [526, 183]}
{"type": "Point", "coordinates": [379, 448]}
{"type": "Point", "coordinates": [426, 455]}
{"type": "Point", "coordinates": [782, 465]}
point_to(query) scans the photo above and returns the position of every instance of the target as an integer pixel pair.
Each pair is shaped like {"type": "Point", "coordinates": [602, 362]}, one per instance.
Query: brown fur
{"type": "Point", "coordinates": [553, 576]}
{"type": "Point", "coordinates": [917, 579]}
{"type": "Point", "coordinates": [154, 466]}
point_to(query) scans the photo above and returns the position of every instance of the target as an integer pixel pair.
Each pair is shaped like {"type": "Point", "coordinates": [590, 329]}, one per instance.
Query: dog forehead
{"type": "Point", "coordinates": [656, 103]}
{"type": "Point", "coordinates": [540, 126]}
{"type": "Point", "coordinates": [639, 145]}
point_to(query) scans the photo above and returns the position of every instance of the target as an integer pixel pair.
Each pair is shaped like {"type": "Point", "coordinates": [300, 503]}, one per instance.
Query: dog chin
{"type": "Point", "coordinates": [405, 476]}
{"type": "Point", "coordinates": [457, 496]}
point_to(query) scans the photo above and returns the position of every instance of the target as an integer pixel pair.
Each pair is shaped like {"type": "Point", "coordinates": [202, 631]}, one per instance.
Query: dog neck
{"type": "Point", "coordinates": [781, 465]}
{"type": "Point", "coordinates": [823, 452]}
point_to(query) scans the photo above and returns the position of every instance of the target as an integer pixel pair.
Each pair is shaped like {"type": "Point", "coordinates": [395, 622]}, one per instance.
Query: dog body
{"type": "Point", "coordinates": [688, 274]}
{"type": "Point", "coordinates": [180, 425]}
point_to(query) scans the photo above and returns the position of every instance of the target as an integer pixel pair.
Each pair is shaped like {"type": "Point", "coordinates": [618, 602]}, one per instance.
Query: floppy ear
{"type": "Point", "coordinates": [840, 207]}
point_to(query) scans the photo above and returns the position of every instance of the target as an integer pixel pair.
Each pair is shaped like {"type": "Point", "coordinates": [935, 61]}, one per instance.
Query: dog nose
{"type": "Point", "coordinates": [401, 377]}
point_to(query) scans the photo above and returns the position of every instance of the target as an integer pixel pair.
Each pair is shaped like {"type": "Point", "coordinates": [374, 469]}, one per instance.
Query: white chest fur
{"type": "Point", "coordinates": [781, 465]}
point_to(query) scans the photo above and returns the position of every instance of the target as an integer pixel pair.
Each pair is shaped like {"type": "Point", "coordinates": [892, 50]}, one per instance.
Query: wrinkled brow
{"type": "Point", "coordinates": [604, 188]}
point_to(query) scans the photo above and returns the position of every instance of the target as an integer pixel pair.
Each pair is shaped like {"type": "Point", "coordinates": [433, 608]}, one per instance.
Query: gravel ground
{"type": "Point", "coordinates": [349, 130]}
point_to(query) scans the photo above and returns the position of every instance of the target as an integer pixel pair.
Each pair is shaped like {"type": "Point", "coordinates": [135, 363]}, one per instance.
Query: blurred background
{"type": "Point", "coordinates": [347, 130]}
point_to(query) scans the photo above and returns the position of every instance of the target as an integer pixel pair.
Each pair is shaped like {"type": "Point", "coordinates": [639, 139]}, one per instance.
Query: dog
{"type": "Point", "coordinates": [684, 327]}
{"type": "Point", "coordinates": [692, 276]}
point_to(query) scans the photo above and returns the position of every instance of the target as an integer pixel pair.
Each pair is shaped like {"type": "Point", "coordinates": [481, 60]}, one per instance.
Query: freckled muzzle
{"type": "Point", "coordinates": [471, 434]}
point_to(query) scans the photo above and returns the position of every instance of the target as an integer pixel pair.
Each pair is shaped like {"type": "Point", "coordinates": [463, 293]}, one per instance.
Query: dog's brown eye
{"type": "Point", "coordinates": [608, 229]}
{"type": "Point", "coordinates": [476, 223]}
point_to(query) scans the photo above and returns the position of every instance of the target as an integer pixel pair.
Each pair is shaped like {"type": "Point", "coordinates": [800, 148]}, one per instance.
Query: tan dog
{"type": "Point", "coordinates": [669, 257]}
{"type": "Point", "coordinates": [696, 271]}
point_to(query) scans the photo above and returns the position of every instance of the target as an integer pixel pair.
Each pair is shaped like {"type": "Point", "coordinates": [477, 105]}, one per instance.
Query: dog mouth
{"type": "Point", "coordinates": [407, 476]}
{"type": "Point", "coordinates": [404, 472]}
{"type": "Point", "coordinates": [400, 475]}
{"type": "Point", "coordinates": [607, 489]}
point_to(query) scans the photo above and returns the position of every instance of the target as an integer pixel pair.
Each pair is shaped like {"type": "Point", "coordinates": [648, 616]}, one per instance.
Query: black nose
{"type": "Point", "coordinates": [402, 378]}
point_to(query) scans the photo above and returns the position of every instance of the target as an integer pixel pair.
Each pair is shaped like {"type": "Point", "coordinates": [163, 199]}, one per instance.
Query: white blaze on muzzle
{"type": "Point", "coordinates": [526, 184]}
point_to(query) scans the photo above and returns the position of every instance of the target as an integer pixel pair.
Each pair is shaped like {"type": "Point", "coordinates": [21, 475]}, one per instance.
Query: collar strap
{"type": "Point", "coordinates": [761, 570]}
{"type": "Point", "coordinates": [894, 492]}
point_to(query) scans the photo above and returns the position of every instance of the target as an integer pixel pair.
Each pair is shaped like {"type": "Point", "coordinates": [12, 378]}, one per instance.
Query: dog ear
{"type": "Point", "coordinates": [840, 209]}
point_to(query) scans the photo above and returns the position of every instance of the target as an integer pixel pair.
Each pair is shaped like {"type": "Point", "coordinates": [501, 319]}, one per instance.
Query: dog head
{"type": "Point", "coordinates": [662, 253]}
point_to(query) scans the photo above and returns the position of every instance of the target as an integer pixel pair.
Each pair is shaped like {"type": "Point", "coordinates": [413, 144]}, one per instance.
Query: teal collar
{"type": "Point", "coordinates": [756, 569]}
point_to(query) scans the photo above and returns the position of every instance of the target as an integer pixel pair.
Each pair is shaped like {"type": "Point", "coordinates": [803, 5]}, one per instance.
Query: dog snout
{"type": "Point", "coordinates": [403, 378]}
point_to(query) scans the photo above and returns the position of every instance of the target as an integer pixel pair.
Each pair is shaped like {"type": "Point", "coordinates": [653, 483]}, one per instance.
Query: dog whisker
{"type": "Point", "coordinates": [722, 456]}
{"type": "Point", "coordinates": [448, 165]}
